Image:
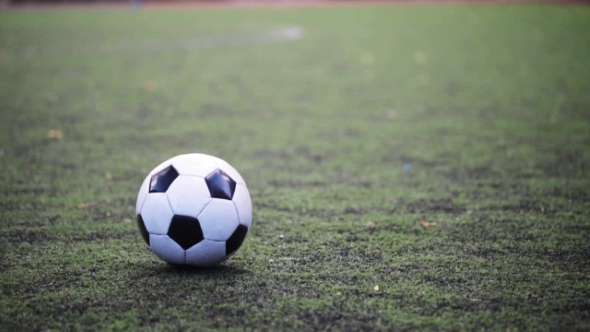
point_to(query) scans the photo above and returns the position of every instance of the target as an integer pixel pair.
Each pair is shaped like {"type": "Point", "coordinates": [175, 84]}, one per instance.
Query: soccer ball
{"type": "Point", "coordinates": [194, 209]}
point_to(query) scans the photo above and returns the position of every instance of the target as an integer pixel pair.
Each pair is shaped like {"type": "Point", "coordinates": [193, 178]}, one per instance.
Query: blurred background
{"type": "Point", "coordinates": [411, 167]}
{"type": "Point", "coordinates": [265, 2]}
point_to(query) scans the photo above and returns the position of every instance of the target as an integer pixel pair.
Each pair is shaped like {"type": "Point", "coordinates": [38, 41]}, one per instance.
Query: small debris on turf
{"type": "Point", "coordinates": [371, 224]}
{"type": "Point", "coordinates": [419, 58]}
{"type": "Point", "coordinates": [475, 300]}
{"type": "Point", "coordinates": [392, 114]}
{"type": "Point", "coordinates": [83, 206]}
{"type": "Point", "coordinates": [338, 293]}
{"type": "Point", "coordinates": [108, 175]}
{"type": "Point", "coordinates": [367, 58]}
{"type": "Point", "coordinates": [50, 98]}
{"type": "Point", "coordinates": [281, 236]}
{"type": "Point", "coordinates": [55, 134]}
{"type": "Point", "coordinates": [286, 259]}
{"type": "Point", "coordinates": [150, 85]}
{"type": "Point", "coordinates": [126, 220]}
{"type": "Point", "coordinates": [368, 76]}
{"type": "Point", "coordinates": [407, 166]}
{"type": "Point", "coordinates": [376, 288]}
{"type": "Point", "coordinates": [424, 79]}
{"type": "Point", "coordinates": [271, 260]}
{"type": "Point", "coordinates": [425, 223]}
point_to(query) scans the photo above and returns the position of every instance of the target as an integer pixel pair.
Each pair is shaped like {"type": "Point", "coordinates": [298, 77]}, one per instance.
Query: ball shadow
{"type": "Point", "coordinates": [169, 268]}
{"type": "Point", "coordinates": [219, 272]}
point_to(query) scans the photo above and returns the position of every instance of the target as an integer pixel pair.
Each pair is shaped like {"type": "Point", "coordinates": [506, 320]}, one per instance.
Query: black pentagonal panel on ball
{"type": "Point", "coordinates": [235, 240]}
{"type": "Point", "coordinates": [220, 185]}
{"type": "Point", "coordinates": [162, 180]}
{"type": "Point", "coordinates": [144, 233]}
{"type": "Point", "coordinates": [186, 231]}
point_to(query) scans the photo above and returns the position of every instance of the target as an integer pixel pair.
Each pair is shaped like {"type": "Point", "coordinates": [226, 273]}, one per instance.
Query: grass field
{"type": "Point", "coordinates": [475, 119]}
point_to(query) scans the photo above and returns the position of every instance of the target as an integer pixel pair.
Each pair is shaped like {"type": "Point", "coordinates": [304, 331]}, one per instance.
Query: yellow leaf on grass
{"type": "Point", "coordinates": [83, 206]}
{"type": "Point", "coordinates": [419, 58]}
{"type": "Point", "coordinates": [392, 114]}
{"type": "Point", "coordinates": [50, 98]}
{"type": "Point", "coordinates": [427, 223]}
{"type": "Point", "coordinates": [55, 134]}
{"type": "Point", "coordinates": [150, 85]}
{"type": "Point", "coordinates": [367, 58]}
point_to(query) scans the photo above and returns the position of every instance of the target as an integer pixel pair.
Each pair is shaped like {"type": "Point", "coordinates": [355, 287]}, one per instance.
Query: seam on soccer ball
{"type": "Point", "coordinates": [192, 175]}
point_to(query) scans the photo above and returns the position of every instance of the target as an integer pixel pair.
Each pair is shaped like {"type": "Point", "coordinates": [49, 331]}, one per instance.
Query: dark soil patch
{"type": "Point", "coordinates": [339, 318]}
{"type": "Point", "coordinates": [412, 160]}
{"type": "Point", "coordinates": [527, 206]}
{"type": "Point", "coordinates": [432, 206]}
{"type": "Point", "coordinates": [300, 210]}
{"type": "Point", "coordinates": [13, 204]}
{"type": "Point", "coordinates": [466, 174]}
{"type": "Point", "coordinates": [300, 152]}
{"type": "Point", "coordinates": [567, 164]}
{"type": "Point", "coordinates": [578, 195]}
{"type": "Point", "coordinates": [296, 184]}
{"type": "Point", "coordinates": [39, 237]}
{"type": "Point", "coordinates": [47, 282]}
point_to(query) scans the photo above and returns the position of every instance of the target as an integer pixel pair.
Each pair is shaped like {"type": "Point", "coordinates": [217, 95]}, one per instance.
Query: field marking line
{"type": "Point", "coordinates": [244, 39]}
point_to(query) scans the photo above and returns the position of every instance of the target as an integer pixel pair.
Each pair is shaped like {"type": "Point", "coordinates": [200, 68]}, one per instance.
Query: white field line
{"type": "Point", "coordinates": [278, 35]}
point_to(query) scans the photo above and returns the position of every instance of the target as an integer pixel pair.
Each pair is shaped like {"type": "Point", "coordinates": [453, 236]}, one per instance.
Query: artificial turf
{"type": "Point", "coordinates": [472, 119]}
